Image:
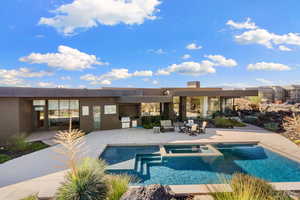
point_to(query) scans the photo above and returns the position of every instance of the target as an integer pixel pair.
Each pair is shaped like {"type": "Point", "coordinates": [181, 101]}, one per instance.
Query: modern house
{"type": "Point", "coordinates": [35, 109]}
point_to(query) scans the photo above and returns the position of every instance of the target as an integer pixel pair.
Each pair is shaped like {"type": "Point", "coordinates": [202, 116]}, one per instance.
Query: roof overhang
{"type": "Point", "coordinates": [220, 93]}
{"type": "Point", "coordinates": [145, 99]}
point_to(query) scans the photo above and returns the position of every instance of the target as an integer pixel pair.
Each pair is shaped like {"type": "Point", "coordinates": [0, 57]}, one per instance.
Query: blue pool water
{"type": "Point", "coordinates": [254, 160]}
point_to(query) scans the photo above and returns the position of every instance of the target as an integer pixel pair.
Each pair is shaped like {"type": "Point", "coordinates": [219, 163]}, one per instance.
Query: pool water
{"type": "Point", "coordinates": [151, 168]}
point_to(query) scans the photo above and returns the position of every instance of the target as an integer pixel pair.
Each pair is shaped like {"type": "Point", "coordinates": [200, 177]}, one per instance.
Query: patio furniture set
{"type": "Point", "coordinates": [188, 127]}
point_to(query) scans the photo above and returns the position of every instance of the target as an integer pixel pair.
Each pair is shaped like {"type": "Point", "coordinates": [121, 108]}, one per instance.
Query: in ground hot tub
{"type": "Point", "coordinates": [183, 150]}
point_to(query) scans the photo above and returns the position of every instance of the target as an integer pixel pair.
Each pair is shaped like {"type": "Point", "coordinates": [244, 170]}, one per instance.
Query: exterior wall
{"type": "Point", "coordinates": [26, 116]}
{"type": "Point", "coordinates": [129, 110]}
{"type": "Point", "coordinates": [110, 121]}
{"type": "Point", "coordinates": [9, 118]}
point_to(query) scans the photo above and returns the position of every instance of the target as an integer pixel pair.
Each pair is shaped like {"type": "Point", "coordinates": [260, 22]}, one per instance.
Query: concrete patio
{"type": "Point", "coordinates": [42, 171]}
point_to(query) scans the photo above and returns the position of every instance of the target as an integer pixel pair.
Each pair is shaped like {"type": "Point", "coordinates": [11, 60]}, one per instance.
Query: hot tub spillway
{"type": "Point", "coordinates": [142, 162]}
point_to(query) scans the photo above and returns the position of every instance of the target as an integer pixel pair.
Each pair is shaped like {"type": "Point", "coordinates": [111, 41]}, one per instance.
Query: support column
{"type": "Point", "coordinates": [205, 107]}
{"type": "Point", "coordinates": [182, 108]}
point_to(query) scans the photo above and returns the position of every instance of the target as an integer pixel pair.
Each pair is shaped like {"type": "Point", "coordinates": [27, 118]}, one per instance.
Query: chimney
{"type": "Point", "coordinates": [193, 84]}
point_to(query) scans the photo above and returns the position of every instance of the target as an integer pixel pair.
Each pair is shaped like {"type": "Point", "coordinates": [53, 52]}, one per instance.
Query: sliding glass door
{"type": "Point", "coordinates": [97, 117]}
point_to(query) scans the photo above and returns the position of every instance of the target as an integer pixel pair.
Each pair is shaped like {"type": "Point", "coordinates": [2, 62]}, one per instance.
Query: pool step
{"type": "Point", "coordinates": [143, 160]}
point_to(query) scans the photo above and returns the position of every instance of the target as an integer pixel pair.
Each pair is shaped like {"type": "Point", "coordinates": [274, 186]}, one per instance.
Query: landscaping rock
{"type": "Point", "coordinates": [151, 192]}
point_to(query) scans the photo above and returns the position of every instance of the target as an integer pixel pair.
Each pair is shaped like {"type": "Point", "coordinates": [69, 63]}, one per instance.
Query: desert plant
{"type": "Point", "coordinates": [4, 158]}
{"type": "Point", "coordinates": [272, 126]}
{"type": "Point", "coordinates": [87, 183]}
{"type": "Point", "coordinates": [71, 142]}
{"type": "Point", "coordinates": [292, 124]}
{"type": "Point", "coordinates": [221, 122]}
{"type": "Point", "coordinates": [237, 123]}
{"type": "Point", "coordinates": [245, 187]}
{"type": "Point", "coordinates": [31, 197]}
{"type": "Point", "coordinates": [118, 185]}
{"type": "Point", "coordinates": [18, 143]}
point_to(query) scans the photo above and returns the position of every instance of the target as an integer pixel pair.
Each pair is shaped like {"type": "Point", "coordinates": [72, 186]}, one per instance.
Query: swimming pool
{"type": "Point", "coordinates": [147, 164]}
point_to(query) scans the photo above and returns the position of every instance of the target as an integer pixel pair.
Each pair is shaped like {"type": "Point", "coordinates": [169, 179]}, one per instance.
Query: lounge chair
{"type": "Point", "coordinates": [194, 130]}
{"type": "Point", "coordinates": [203, 128]}
{"type": "Point", "coordinates": [166, 125]}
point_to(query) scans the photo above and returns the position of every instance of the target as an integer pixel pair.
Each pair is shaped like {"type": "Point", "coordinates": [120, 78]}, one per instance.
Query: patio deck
{"type": "Point", "coordinates": [46, 169]}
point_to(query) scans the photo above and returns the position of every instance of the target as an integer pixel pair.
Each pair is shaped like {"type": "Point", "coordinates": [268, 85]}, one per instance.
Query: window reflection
{"type": "Point", "coordinates": [150, 109]}
{"type": "Point", "coordinates": [194, 106]}
{"type": "Point", "coordinates": [213, 104]}
{"type": "Point", "coordinates": [60, 111]}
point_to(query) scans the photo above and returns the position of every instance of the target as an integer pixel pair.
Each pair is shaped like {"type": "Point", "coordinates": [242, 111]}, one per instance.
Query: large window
{"type": "Point", "coordinates": [194, 106]}
{"type": "Point", "coordinates": [60, 111]}
{"type": "Point", "coordinates": [213, 104]}
{"type": "Point", "coordinates": [150, 109]}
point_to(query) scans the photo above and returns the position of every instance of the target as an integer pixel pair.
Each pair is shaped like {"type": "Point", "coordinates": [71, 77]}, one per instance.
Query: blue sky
{"type": "Point", "coordinates": [149, 43]}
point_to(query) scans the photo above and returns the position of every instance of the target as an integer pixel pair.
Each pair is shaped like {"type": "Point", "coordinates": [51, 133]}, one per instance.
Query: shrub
{"type": "Point", "coordinates": [217, 114]}
{"type": "Point", "coordinates": [150, 121]}
{"type": "Point", "coordinates": [18, 143]}
{"type": "Point", "coordinates": [272, 126]}
{"type": "Point", "coordinates": [250, 119]}
{"type": "Point", "coordinates": [87, 183]}
{"type": "Point", "coordinates": [221, 122]}
{"type": "Point", "coordinates": [4, 158]}
{"type": "Point", "coordinates": [118, 185]}
{"type": "Point", "coordinates": [35, 146]}
{"type": "Point", "coordinates": [237, 123]}
{"type": "Point", "coordinates": [245, 187]}
{"type": "Point", "coordinates": [31, 197]}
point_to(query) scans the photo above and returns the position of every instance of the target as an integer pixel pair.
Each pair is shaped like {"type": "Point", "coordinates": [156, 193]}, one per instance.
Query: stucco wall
{"type": "Point", "coordinates": [9, 117]}
{"type": "Point", "coordinates": [26, 116]}
{"type": "Point", "coordinates": [110, 121]}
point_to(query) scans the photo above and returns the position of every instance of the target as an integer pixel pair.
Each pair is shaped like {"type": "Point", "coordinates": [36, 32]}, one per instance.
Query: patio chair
{"type": "Point", "coordinates": [203, 128]}
{"type": "Point", "coordinates": [166, 125]}
{"type": "Point", "coordinates": [194, 130]}
{"type": "Point", "coordinates": [191, 122]}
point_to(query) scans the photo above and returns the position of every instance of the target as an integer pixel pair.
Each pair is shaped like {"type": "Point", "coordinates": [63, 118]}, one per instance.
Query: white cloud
{"type": "Point", "coordinates": [220, 60]}
{"type": "Point", "coordinates": [155, 82]}
{"type": "Point", "coordinates": [65, 78]}
{"type": "Point", "coordinates": [242, 25]}
{"type": "Point", "coordinates": [264, 81]}
{"type": "Point", "coordinates": [114, 74]}
{"type": "Point", "coordinates": [268, 66]}
{"type": "Point", "coordinates": [143, 73]}
{"type": "Point", "coordinates": [51, 85]}
{"type": "Point", "coordinates": [157, 51]}
{"type": "Point", "coordinates": [198, 68]}
{"type": "Point", "coordinates": [189, 68]}
{"type": "Point", "coordinates": [91, 13]}
{"type": "Point", "coordinates": [186, 56]}
{"type": "Point", "coordinates": [67, 58]}
{"type": "Point", "coordinates": [284, 48]}
{"type": "Point", "coordinates": [16, 77]}
{"type": "Point", "coordinates": [193, 46]}
{"type": "Point", "coordinates": [267, 39]}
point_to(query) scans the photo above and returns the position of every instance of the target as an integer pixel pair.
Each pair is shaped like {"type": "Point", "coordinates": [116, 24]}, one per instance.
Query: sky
{"type": "Point", "coordinates": [149, 43]}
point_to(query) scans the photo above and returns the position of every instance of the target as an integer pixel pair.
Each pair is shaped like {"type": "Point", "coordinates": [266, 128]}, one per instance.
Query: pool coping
{"type": "Point", "coordinates": [211, 188]}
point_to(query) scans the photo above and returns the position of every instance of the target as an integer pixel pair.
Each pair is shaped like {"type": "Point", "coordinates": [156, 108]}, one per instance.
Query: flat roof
{"type": "Point", "coordinates": [134, 93]}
